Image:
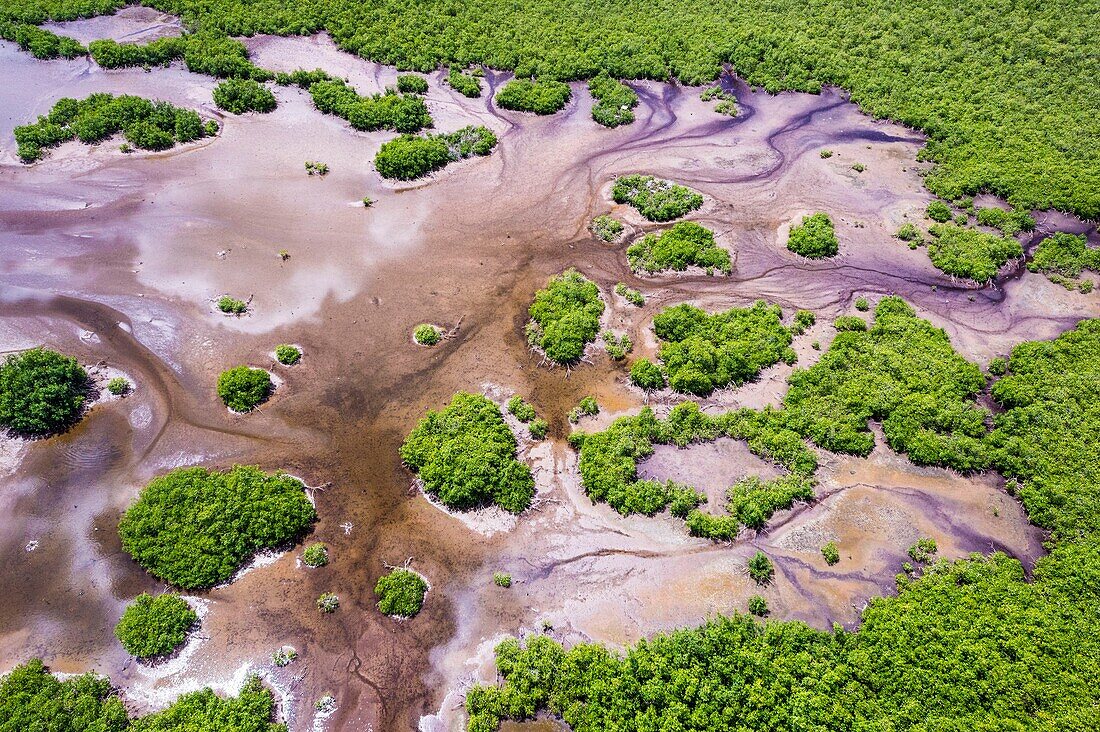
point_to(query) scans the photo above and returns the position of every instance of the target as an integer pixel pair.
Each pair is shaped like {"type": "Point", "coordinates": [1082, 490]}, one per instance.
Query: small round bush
{"type": "Point", "coordinates": [118, 386]}
{"type": "Point", "coordinates": [427, 334]}
{"type": "Point", "coordinates": [908, 232]}
{"type": "Point", "coordinates": [284, 656]}
{"type": "Point", "coordinates": [826, 154]}
{"type": "Point", "coordinates": [409, 157]}
{"type": "Point", "coordinates": [401, 593]}
{"type": "Point", "coordinates": [243, 388]}
{"type": "Point", "coordinates": [831, 553]}
{"type": "Point", "coordinates": [998, 366]}
{"type": "Point", "coordinates": [41, 391]}
{"type": "Point", "coordinates": [328, 602]}
{"type": "Point", "coordinates": [243, 95]}
{"type": "Point", "coordinates": [412, 84]}
{"type": "Point", "coordinates": [646, 374]}
{"type": "Point", "coordinates": [862, 305]}
{"type": "Point", "coordinates": [758, 606]}
{"type": "Point", "coordinates": [814, 238]}
{"type": "Point", "coordinates": [315, 555]}
{"type": "Point", "coordinates": [938, 211]}
{"type": "Point", "coordinates": [528, 95]}
{"type": "Point", "coordinates": [761, 569]}
{"type": "Point", "coordinates": [232, 306]}
{"type": "Point", "coordinates": [502, 579]}
{"type": "Point", "coordinates": [850, 323]}
{"type": "Point", "coordinates": [538, 428]}
{"type": "Point", "coordinates": [520, 409]}
{"type": "Point", "coordinates": [155, 626]}
{"type": "Point", "coordinates": [287, 354]}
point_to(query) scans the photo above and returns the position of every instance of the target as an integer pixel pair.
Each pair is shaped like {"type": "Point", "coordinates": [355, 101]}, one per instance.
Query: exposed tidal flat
{"type": "Point", "coordinates": [119, 258]}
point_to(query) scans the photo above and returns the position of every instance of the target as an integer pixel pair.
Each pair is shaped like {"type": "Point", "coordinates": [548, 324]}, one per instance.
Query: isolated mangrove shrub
{"type": "Point", "coordinates": [831, 553]}
{"type": "Point", "coordinates": [703, 352]}
{"type": "Point", "coordinates": [903, 373]}
{"type": "Point", "coordinates": [753, 501]}
{"type": "Point", "coordinates": [938, 211]}
{"type": "Point", "coordinates": [194, 527]}
{"type": "Point", "coordinates": [862, 304]}
{"type": "Point", "coordinates": [314, 167]}
{"type": "Point", "coordinates": [1009, 223]}
{"type": "Point", "coordinates": [400, 593]}
{"type": "Point", "coordinates": [686, 244]}
{"type": "Point", "coordinates": [412, 84]}
{"type": "Point", "coordinates": [565, 317]}
{"type": "Point", "coordinates": [803, 321]}
{"type": "Point", "coordinates": [231, 305]}
{"type": "Point", "coordinates": [302, 78]}
{"type": "Point", "coordinates": [464, 84]}
{"type": "Point", "coordinates": [315, 555]}
{"type": "Point", "coordinates": [969, 253]}
{"type": "Point", "coordinates": [646, 374]}
{"type": "Point", "coordinates": [1062, 257]}
{"type": "Point", "coordinates": [328, 602]}
{"type": "Point", "coordinates": [465, 455]}
{"type": "Point", "coordinates": [412, 156]}
{"type": "Point", "coordinates": [587, 407]}
{"type": "Point", "coordinates": [655, 199]}
{"type": "Point", "coordinates": [287, 354]}
{"type": "Point", "coordinates": [502, 579]}
{"type": "Point", "coordinates": [814, 238]}
{"type": "Point", "coordinates": [631, 295]}
{"type": "Point", "coordinates": [118, 386]}
{"type": "Point", "coordinates": [242, 388]}
{"type": "Point", "coordinates": [148, 125]}
{"type": "Point", "coordinates": [614, 101]}
{"type": "Point", "coordinates": [530, 95]}
{"type": "Point", "coordinates": [284, 656]}
{"type": "Point", "coordinates": [761, 569]}
{"type": "Point", "coordinates": [727, 103]}
{"type": "Point", "coordinates": [617, 346]}
{"type": "Point", "coordinates": [606, 228]}
{"type": "Point", "coordinates": [908, 232]}
{"type": "Point", "coordinates": [405, 113]}
{"type": "Point", "coordinates": [850, 323]}
{"type": "Point", "coordinates": [427, 334]}
{"type": "Point", "coordinates": [41, 391]}
{"type": "Point", "coordinates": [923, 550]}
{"type": "Point", "coordinates": [155, 626]}
{"type": "Point", "coordinates": [538, 428]}
{"type": "Point", "coordinates": [758, 606]}
{"type": "Point", "coordinates": [244, 95]}
{"type": "Point", "coordinates": [520, 409]}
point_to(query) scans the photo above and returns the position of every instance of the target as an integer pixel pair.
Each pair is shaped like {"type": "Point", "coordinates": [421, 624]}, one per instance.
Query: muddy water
{"type": "Point", "coordinates": [119, 258]}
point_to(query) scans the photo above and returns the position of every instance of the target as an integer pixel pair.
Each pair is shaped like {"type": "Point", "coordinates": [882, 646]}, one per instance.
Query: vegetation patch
{"type": "Point", "coordinates": [615, 101]}
{"type": "Point", "coordinates": [465, 456]}
{"type": "Point", "coordinates": [831, 553]}
{"type": "Point", "coordinates": [328, 603]}
{"type": "Point", "coordinates": [814, 238]}
{"type": "Point", "coordinates": [411, 156]}
{"type": "Point", "coordinates": [427, 334]}
{"type": "Point", "coordinates": [464, 84]}
{"type": "Point", "coordinates": [400, 593]}
{"type": "Point", "coordinates": [686, 244]}
{"type": "Point", "coordinates": [31, 698]}
{"type": "Point", "coordinates": [538, 428]}
{"type": "Point", "coordinates": [244, 95]}
{"type": "Point", "coordinates": [502, 579]}
{"type": "Point", "coordinates": [147, 125]}
{"type": "Point", "coordinates": [41, 391]}
{"type": "Point", "coordinates": [618, 346]}
{"type": "Point", "coordinates": [40, 43]}
{"type": "Point", "coordinates": [727, 103]}
{"type": "Point", "coordinates": [758, 606]}
{"type": "Point", "coordinates": [586, 407]}
{"type": "Point", "coordinates": [530, 95]}
{"type": "Point", "coordinates": [1063, 257]}
{"type": "Point", "coordinates": [119, 386]}
{"type": "Point", "coordinates": [969, 253]}
{"type": "Point", "coordinates": [606, 228]}
{"type": "Point", "coordinates": [208, 52]}
{"type": "Point", "coordinates": [287, 354]}
{"type": "Point", "coordinates": [391, 110]}
{"type": "Point", "coordinates": [242, 388]}
{"type": "Point", "coordinates": [565, 317]}
{"type": "Point", "coordinates": [194, 527]}
{"type": "Point", "coordinates": [655, 199]}
{"type": "Point", "coordinates": [231, 305]}
{"type": "Point", "coordinates": [315, 555]}
{"type": "Point", "coordinates": [704, 352]}
{"type": "Point", "coordinates": [520, 409]}
{"type": "Point", "coordinates": [631, 295]}
{"type": "Point", "coordinates": [155, 626]}
{"type": "Point", "coordinates": [909, 232]}
{"type": "Point", "coordinates": [1009, 223]}
{"type": "Point", "coordinates": [647, 375]}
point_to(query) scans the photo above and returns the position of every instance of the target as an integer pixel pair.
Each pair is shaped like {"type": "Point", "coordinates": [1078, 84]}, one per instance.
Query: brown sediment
{"type": "Point", "coordinates": [127, 247]}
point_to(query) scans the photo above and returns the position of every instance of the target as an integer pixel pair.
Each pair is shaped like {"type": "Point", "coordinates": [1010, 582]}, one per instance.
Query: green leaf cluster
{"type": "Point", "coordinates": [814, 238]}
{"type": "Point", "coordinates": [1062, 257]}
{"type": "Point", "coordinates": [155, 626]}
{"type": "Point", "coordinates": [243, 388]}
{"type": "Point", "coordinates": [703, 352]}
{"type": "Point", "coordinates": [615, 101]}
{"type": "Point", "coordinates": [686, 244]}
{"type": "Point", "coordinates": [405, 113]}
{"type": "Point", "coordinates": [244, 95]}
{"type": "Point", "coordinates": [40, 43]}
{"type": "Point", "coordinates": [400, 593]}
{"type": "Point", "coordinates": [41, 391]}
{"type": "Point", "coordinates": [464, 84]}
{"type": "Point", "coordinates": [411, 156]}
{"type": "Point", "coordinates": [969, 253]}
{"type": "Point", "coordinates": [565, 317]}
{"type": "Point", "coordinates": [655, 199]}
{"type": "Point", "coordinates": [194, 527]}
{"type": "Point", "coordinates": [465, 456]}
{"type": "Point", "coordinates": [606, 228]}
